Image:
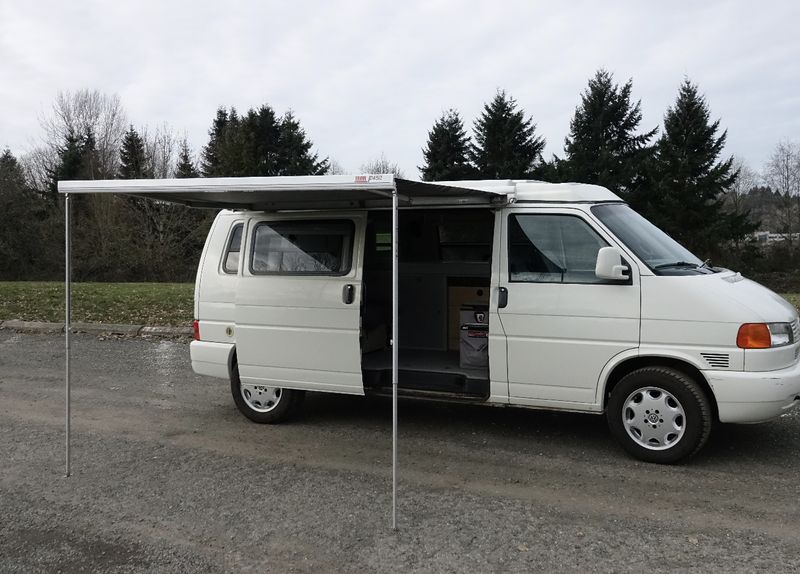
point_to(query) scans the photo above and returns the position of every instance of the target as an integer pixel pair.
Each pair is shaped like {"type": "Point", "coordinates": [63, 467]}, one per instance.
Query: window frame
{"type": "Point", "coordinates": [343, 272]}
{"type": "Point", "coordinates": [627, 281]}
{"type": "Point", "coordinates": [227, 251]}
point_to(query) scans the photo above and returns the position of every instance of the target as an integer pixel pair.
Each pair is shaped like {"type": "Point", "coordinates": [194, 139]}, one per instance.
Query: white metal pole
{"type": "Point", "coordinates": [67, 309]}
{"type": "Point", "coordinates": [395, 282]}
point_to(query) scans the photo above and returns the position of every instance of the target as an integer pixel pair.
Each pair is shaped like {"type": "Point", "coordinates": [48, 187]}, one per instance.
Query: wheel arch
{"type": "Point", "coordinates": [630, 364]}
{"type": "Point", "coordinates": [233, 362]}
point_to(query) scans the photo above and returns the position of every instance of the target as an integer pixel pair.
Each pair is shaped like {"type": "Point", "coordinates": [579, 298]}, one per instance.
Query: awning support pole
{"type": "Point", "coordinates": [395, 282]}
{"type": "Point", "coordinates": [67, 309]}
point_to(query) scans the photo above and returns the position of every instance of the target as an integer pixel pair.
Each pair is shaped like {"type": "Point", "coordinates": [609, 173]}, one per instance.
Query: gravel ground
{"type": "Point", "coordinates": [169, 477]}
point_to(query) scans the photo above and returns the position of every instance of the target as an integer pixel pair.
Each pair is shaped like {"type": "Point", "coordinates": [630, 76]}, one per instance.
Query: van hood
{"type": "Point", "coordinates": [767, 304]}
{"type": "Point", "coordinates": [721, 297]}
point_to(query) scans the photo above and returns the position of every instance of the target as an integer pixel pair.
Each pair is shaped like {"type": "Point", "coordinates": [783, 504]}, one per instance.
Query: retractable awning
{"type": "Point", "coordinates": [303, 192]}
{"type": "Point", "coordinates": [368, 191]}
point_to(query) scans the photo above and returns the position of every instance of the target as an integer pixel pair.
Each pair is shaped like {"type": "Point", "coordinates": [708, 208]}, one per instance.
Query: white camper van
{"type": "Point", "coordinates": [550, 296]}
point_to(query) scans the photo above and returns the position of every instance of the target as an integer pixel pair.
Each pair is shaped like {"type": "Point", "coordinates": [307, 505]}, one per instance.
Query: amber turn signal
{"type": "Point", "coordinates": [754, 336]}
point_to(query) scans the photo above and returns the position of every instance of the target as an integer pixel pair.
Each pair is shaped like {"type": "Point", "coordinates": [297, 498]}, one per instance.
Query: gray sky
{"type": "Point", "coordinates": [365, 78]}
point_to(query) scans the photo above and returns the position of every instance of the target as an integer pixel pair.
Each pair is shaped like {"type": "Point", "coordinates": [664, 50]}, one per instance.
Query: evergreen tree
{"type": "Point", "coordinates": [505, 142]}
{"type": "Point", "coordinates": [21, 257]}
{"type": "Point", "coordinates": [211, 164]}
{"type": "Point", "coordinates": [76, 160]}
{"type": "Point", "coordinates": [235, 159]}
{"type": "Point", "coordinates": [603, 146]}
{"type": "Point", "coordinates": [294, 150]}
{"type": "Point", "coordinates": [688, 201]}
{"type": "Point", "coordinates": [185, 167]}
{"type": "Point", "coordinates": [447, 152]}
{"type": "Point", "coordinates": [259, 144]}
{"type": "Point", "coordinates": [133, 158]}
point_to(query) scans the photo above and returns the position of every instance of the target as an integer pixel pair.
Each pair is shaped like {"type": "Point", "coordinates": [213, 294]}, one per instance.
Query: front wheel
{"type": "Point", "coordinates": [263, 404]}
{"type": "Point", "coordinates": [659, 414]}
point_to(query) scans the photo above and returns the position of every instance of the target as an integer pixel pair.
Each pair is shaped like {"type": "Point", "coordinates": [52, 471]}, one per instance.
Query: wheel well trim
{"type": "Point", "coordinates": [627, 361]}
{"type": "Point", "coordinates": [231, 360]}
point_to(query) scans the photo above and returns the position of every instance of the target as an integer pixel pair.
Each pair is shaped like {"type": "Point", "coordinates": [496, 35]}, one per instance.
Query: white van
{"type": "Point", "coordinates": [560, 298]}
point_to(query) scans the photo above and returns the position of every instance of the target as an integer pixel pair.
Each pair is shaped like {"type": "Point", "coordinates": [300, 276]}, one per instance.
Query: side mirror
{"type": "Point", "coordinates": [609, 265]}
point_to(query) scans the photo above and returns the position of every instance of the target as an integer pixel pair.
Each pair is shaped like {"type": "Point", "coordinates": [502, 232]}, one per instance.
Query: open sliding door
{"type": "Point", "coordinates": [298, 302]}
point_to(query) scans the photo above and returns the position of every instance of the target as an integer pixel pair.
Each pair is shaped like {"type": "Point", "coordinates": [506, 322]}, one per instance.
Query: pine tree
{"type": "Point", "coordinates": [294, 150]}
{"type": "Point", "coordinates": [259, 141]}
{"type": "Point", "coordinates": [603, 146]}
{"type": "Point", "coordinates": [235, 161]}
{"type": "Point", "coordinates": [20, 257]}
{"type": "Point", "coordinates": [132, 156]}
{"type": "Point", "coordinates": [259, 144]}
{"type": "Point", "coordinates": [76, 160]}
{"type": "Point", "coordinates": [506, 144]}
{"type": "Point", "coordinates": [691, 182]}
{"type": "Point", "coordinates": [446, 153]}
{"type": "Point", "coordinates": [211, 164]}
{"type": "Point", "coordinates": [185, 167]}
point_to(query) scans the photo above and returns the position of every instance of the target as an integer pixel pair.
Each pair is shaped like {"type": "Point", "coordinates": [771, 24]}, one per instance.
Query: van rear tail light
{"type": "Point", "coordinates": [764, 335]}
{"type": "Point", "coordinates": [196, 329]}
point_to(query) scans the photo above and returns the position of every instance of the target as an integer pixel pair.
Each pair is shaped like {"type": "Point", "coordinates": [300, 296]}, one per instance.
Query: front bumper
{"type": "Point", "coordinates": [753, 397]}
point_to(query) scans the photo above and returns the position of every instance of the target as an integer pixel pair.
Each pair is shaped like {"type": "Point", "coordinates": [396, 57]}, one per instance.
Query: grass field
{"type": "Point", "coordinates": [793, 298]}
{"type": "Point", "coordinates": [130, 303]}
{"type": "Point", "coordinates": [127, 303]}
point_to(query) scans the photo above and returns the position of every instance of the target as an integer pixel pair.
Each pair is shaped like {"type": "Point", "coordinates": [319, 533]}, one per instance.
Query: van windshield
{"type": "Point", "coordinates": [658, 250]}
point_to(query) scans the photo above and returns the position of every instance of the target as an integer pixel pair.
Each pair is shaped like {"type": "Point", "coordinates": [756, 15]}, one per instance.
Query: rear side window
{"type": "Point", "coordinates": [552, 249]}
{"type": "Point", "coordinates": [302, 248]}
{"type": "Point", "coordinates": [230, 263]}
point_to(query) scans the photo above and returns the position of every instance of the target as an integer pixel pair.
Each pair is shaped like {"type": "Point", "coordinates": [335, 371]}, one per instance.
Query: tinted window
{"type": "Point", "coordinates": [552, 249]}
{"type": "Point", "coordinates": [302, 247]}
{"type": "Point", "coordinates": [230, 264]}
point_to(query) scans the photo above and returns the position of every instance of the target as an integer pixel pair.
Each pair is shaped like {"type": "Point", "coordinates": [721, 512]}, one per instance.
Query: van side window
{"type": "Point", "coordinates": [230, 264]}
{"type": "Point", "coordinates": [552, 249]}
{"type": "Point", "coordinates": [302, 248]}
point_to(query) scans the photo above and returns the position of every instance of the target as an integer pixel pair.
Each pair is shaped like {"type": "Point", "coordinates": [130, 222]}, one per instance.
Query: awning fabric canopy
{"type": "Point", "coordinates": [303, 192]}
{"type": "Point", "coordinates": [367, 191]}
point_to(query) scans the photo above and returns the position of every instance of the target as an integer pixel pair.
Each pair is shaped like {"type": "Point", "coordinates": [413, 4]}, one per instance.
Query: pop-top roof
{"type": "Point", "coordinates": [336, 191]}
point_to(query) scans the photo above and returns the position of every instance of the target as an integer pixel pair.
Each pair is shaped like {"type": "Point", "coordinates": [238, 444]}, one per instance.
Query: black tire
{"type": "Point", "coordinates": [286, 405]}
{"type": "Point", "coordinates": [692, 417]}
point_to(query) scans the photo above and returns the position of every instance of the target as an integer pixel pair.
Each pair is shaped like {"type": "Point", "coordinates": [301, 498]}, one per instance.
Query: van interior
{"type": "Point", "coordinates": [445, 271]}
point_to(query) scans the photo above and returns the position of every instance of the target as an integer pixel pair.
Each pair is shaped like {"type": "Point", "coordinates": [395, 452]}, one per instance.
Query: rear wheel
{"type": "Point", "coordinates": [261, 403]}
{"type": "Point", "coordinates": [659, 414]}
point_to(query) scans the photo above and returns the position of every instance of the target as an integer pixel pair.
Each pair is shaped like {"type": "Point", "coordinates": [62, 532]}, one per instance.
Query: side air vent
{"type": "Point", "coordinates": [717, 360]}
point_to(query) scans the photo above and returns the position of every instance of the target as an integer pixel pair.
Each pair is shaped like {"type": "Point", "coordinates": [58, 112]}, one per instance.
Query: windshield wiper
{"type": "Point", "coordinates": [677, 264]}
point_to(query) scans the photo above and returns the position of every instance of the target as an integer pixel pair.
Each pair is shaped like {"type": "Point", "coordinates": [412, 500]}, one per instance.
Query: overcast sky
{"type": "Point", "coordinates": [365, 79]}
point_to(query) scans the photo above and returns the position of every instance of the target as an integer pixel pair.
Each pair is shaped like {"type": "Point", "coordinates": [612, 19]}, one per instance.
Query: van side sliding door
{"type": "Point", "coordinates": [298, 302]}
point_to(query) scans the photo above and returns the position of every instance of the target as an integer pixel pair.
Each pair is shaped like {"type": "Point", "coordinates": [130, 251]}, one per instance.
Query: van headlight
{"type": "Point", "coordinates": [764, 335]}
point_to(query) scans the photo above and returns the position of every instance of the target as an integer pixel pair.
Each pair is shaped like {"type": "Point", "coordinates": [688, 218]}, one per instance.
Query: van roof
{"type": "Point", "coordinates": [528, 190]}
{"type": "Point", "coordinates": [338, 191]}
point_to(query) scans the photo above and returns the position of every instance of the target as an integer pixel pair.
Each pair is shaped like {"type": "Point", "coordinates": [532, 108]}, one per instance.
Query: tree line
{"type": "Point", "coordinates": [675, 175]}
{"type": "Point", "coordinates": [678, 179]}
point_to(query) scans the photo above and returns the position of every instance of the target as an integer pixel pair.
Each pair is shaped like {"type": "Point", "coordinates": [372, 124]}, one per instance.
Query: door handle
{"type": "Point", "coordinates": [348, 294]}
{"type": "Point", "coordinates": [502, 298]}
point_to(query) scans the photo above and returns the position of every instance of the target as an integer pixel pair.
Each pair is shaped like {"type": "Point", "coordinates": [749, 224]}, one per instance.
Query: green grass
{"type": "Point", "coordinates": [793, 298]}
{"type": "Point", "coordinates": [127, 303]}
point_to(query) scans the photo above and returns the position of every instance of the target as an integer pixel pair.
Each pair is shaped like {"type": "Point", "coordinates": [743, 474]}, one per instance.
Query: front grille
{"type": "Point", "coordinates": [796, 330]}
{"type": "Point", "coordinates": [717, 360]}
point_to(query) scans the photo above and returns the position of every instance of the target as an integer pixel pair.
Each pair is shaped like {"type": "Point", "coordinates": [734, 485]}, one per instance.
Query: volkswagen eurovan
{"type": "Point", "coordinates": [561, 298]}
